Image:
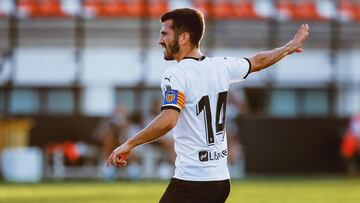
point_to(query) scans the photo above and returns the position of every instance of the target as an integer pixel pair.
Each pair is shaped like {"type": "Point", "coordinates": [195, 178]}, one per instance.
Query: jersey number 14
{"type": "Point", "coordinates": [204, 105]}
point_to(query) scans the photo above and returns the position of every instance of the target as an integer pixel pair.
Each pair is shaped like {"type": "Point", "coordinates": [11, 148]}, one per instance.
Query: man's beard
{"type": "Point", "coordinates": [171, 50]}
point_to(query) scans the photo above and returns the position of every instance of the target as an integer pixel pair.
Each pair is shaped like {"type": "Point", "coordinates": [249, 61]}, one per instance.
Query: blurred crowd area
{"type": "Point", "coordinates": [85, 159]}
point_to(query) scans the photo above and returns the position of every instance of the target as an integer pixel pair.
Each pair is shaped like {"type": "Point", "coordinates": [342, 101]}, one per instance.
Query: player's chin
{"type": "Point", "coordinates": [168, 57]}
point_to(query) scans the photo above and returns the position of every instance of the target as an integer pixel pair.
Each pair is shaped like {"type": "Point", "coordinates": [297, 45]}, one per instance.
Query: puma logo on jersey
{"type": "Point", "coordinates": [168, 78]}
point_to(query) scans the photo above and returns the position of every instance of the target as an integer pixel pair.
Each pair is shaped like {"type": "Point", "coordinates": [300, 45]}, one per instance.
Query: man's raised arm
{"type": "Point", "coordinates": [157, 128]}
{"type": "Point", "coordinates": [265, 59]}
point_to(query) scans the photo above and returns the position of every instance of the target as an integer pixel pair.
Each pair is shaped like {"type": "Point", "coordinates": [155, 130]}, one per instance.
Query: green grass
{"type": "Point", "coordinates": [264, 190]}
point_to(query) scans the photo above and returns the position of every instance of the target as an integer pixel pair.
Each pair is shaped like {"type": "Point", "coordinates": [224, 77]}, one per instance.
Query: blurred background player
{"type": "Point", "coordinates": [350, 147]}
{"type": "Point", "coordinates": [110, 132]}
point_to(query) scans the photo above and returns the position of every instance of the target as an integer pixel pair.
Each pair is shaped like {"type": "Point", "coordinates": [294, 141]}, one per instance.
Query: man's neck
{"type": "Point", "coordinates": [191, 52]}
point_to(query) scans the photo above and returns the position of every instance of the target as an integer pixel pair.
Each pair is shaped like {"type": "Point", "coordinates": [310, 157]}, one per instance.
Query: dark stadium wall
{"type": "Point", "coordinates": [53, 129]}
{"type": "Point", "coordinates": [292, 145]}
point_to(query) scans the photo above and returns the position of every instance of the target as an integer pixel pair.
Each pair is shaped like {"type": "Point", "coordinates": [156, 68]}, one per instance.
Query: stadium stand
{"type": "Point", "coordinates": [348, 10]}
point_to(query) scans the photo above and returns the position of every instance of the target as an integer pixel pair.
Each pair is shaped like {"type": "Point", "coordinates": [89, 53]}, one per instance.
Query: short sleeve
{"type": "Point", "coordinates": [238, 68]}
{"type": "Point", "coordinates": [173, 88]}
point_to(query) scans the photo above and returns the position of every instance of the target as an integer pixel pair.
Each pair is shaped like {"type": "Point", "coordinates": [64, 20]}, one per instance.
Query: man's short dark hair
{"type": "Point", "coordinates": [187, 20]}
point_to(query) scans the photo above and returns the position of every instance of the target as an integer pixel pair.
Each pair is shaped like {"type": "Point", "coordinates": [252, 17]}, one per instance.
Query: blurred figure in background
{"type": "Point", "coordinates": [350, 147]}
{"type": "Point", "coordinates": [136, 159]}
{"type": "Point", "coordinates": [110, 132]}
{"type": "Point", "coordinates": [148, 161]}
{"type": "Point", "coordinates": [236, 157]}
{"type": "Point", "coordinates": [163, 147]}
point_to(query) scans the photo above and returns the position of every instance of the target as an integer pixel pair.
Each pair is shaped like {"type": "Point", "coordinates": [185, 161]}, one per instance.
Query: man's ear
{"type": "Point", "coordinates": [184, 38]}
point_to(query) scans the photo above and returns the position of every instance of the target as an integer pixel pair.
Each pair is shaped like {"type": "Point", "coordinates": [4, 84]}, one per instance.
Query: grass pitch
{"type": "Point", "coordinates": [264, 190]}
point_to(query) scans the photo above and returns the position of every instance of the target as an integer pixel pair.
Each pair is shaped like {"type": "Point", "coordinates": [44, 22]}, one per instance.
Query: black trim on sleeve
{"type": "Point", "coordinates": [249, 68]}
{"type": "Point", "coordinates": [171, 107]}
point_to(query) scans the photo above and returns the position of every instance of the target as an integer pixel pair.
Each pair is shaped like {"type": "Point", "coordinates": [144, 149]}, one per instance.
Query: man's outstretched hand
{"type": "Point", "coordinates": [118, 156]}
{"type": "Point", "coordinates": [295, 45]}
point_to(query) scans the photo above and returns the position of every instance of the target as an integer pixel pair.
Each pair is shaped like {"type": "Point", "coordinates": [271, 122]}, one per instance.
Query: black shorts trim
{"type": "Point", "coordinates": [182, 191]}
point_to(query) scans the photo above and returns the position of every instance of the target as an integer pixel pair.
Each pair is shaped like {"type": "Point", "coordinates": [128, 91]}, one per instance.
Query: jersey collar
{"type": "Point", "coordinates": [196, 59]}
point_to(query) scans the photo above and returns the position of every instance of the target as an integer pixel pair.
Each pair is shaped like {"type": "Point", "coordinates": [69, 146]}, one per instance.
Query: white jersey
{"type": "Point", "coordinates": [198, 89]}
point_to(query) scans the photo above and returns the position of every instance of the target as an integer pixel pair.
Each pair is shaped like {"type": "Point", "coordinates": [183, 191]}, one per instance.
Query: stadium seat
{"type": "Point", "coordinates": [26, 8]}
{"type": "Point", "coordinates": [125, 8]}
{"type": "Point", "coordinates": [135, 8]}
{"type": "Point", "coordinates": [222, 9]}
{"type": "Point", "coordinates": [40, 8]}
{"type": "Point", "coordinates": [204, 6]}
{"type": "Point", "coordinates": [348, 10]}
{"type": "Point", "coordinates": [298, 10]}
{"type": "Point", "coordinates": [244, 9]}
{"type": "Point", "coordinates": [49, 8]}
{"type": "Point", "coordinates": [93, 8]}
{"type": "Point", "coordinates": [157, 7]}
{"type": "Point", "coordinates": [227, 9]}
{"type": "Point", "coordinates": [357, 11]}
{"type": "Point", "coordinates": [113, 8]}
{"type": "Point", "coordinates": [284, 9]}
{"type": "Point", "coordinates": [306, 9]}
